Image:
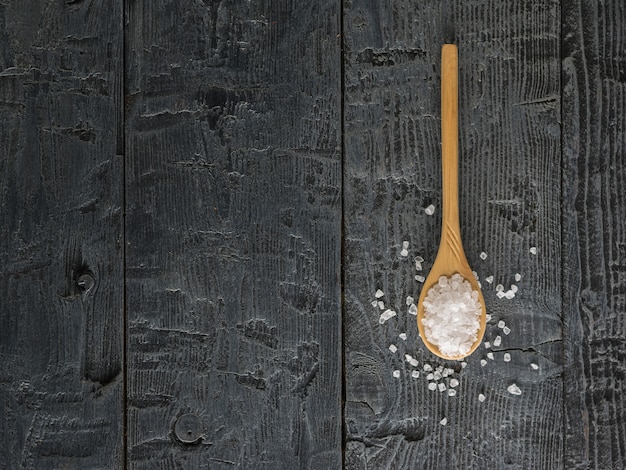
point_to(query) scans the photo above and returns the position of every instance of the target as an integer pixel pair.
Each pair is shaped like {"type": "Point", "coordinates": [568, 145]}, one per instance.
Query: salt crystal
{"type": "Point", "coordinates": [393, 348]}
{"type": "Point", "coordinates": [418, 265]}
{"type": "Point", "coordinates": [483, 363]}
{"type": "Point", "coordinates": [402, 336]}
{"type": "Point", "coordinates": [413, 309]}
{"type": "Point", "coordinates": [430, 376]}
{"type": "Point", "coordinates": [427, 367]}
{"type": "Point", "coordinates": [488, 317]}
{"type": "Point", "coordinates": [500, 294]}
{"type": "Point", "coordinates": [514, 288]}
{"type": "Point", "coordinates": [487, 344]}
{"type": "Point", "coordinates": [444, 421]}
{"type": "Point", "coordinates": [419, 278]}
{"type": "Point", "coordinates": [497, 341]}
{"type": "Point", "coordinates": [451, 392]}
{"type": "Point", "coordinates": [534, 366]}
{"type": "Point", "coordinates": [499, 288]}
{"type": "Point", "coordinates": [374, 303]}
{"type": "Point", "coordinates": [475, 275]}
{"type": "Point", "coordinates": [408, 357]}
{"type": "Point", "coordinates": [379, 293]}
{"type": "Point", "coordinates": [513, 389]}
{"type": "Point", "coordinates": [483, 255]}
{"type": "Point", "coordinates": [419, 259]}
{"type": "Point", "coordinates": [437, 375]}
{"type": "Point", "coordinates": [454, 382]}
{"type": "Point", "coordinates": [507, 357]}
{"type": "Point", "coordinates": [447, 371]}
{"type": "Point", "coordinates": [405, 245]}
{"type": "Point", "coordinates": [441, 387]}
{"type": "Point", "coordinates": [413, 362]}
{"type": "Point", "coordinates": [409, 300]}
{"type": "Point", "coordinates": [518, 277]}
{"type": "Point", "coordinates": [533, 250]}
{"type": "Point", "coordinates": [386, 315]}
{"type": "Point", "coordinates": [432, 386]}
{"type": "Point", "coordinates": [501, 324]}
{"type": "Point", "coordinates": [430, 210]}
{"type": "Point", "coordinates": [396, 374]}
{"type": "Point", "coordinates": [452, 315]}
{"type": "Point", "coordinates": [463, 365]}
{"type": "Point", "coordinates": [481, 397]}
{"type": "Point", "coordinates": [381, 305]}
{"type": "Point", "coordinates": [490, 355]}
{"type": "Point", "coordinates": [404, 253]}
{"type": "Point", "coordinates": [506, 330]}
{"type": "Point", "coordinates": [489, 279]}
{"type": "Point", "coordinates": [415, 374]}
{"type": "Point", "coordinates": [509, 294]}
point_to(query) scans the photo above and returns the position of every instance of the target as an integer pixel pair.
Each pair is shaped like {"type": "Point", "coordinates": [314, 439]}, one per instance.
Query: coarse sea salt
{"type": "Point", "coordinates": [396, 374]}
{"type": "Point", "coordinates": [489, 279]}
{"type": "Point", "coordinates": [534, 366]}
{"type": "Point", "coordinates": [507, 357]}
{"type": "Point", "coordinates": [483, 255]}
{"type": "Point", "coordinates": [405, 245]}
{"type": "Point", "coordinates": [386, 315]}
{"type": "Point", "coordinates": [497, 341]}
{"type": "Point", "coordinates": [451, 392]}
{"type": "Point", "coordinates": [513, 389]}
{"type": "Point", "coordinates": [506, 330]}
{"type": "Point", "coordinates": [441, 387]}
{"type": "Point", "coordinates": [402, 336]}
{"type": "Point", "coordinates": [483, 362]}
{"type": "Point", "coordinates": [404, 253]}
{"type": "Point", "coordinates": [432, 386]}
{"type": "Point", "coordinates": [413, 309]}
{"type": "Point", "coordinates": [501, 324]}
{"type": "Point", "coordinates": [452, 315]}
{"type": "Point", "coordinates": [409, 300]}
{"type": "Point", "coordinates": [518, 277]}
{"type": "Point", "coordinates": [533, 250]}
{"type": "Point", "coordinates": [393, 348]}
{"type": "Point", "coordinates": [453, 383]}
{"type": "Point", "coordinates": [415, 374]}
{"type": "Point", "coordinates": [444, 421]}
{"type": "Point", "coordinates": [430, 210]}
{"type": "Point", "coordinates": [379, 293]}
{"type": "Point", "coordinates": [481, 397]}
{"type": "Point", "coordinates": [419, 278]}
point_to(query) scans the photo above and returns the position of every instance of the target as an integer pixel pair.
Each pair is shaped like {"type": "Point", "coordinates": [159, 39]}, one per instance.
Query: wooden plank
{"type": "Point", "coordinates": [61, 268]}
{"type": "Point", "coordinates": [594, 142]}
{"type": "Point", "coordinates": [510, 193]}
{"type": "Point", "coordinates": [234, 191]}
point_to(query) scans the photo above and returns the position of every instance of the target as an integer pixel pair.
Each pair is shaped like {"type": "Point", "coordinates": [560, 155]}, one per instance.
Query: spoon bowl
{"type": "Point", "coordinates": [450, 256]}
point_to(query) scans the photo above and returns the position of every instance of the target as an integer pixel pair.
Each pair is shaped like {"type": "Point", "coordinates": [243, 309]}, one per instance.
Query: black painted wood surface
{"type": "Point", "coordinates": [185, 184]}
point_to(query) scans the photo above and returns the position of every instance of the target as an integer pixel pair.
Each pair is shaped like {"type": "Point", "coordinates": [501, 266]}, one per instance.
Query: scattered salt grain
{"type": "Point", "coordinates": [393, 348]}
{"type": "Point", "coordinates": [419, 259]}
{"type": "Point", "coordinates": [409, 300]}
{"type": "Point", "coordinates": [427, 367]}
{"type": "Point", "coordinates": [488, 317]}
{"type": "Point", "coordinates": [481, 397]}
{"type": "Point", "coordinates": [518, 277]}
{"type": "Point", "coordinates": [463, 365]}
{"type": "Point", "coordinates": [441, 387]}
{"type": "Point", "coordinates": [533, 250]}
{"type": "Point", "coordinates": [500, 294]}
{"type": "Point", "coordinates": [418, 265]}
{"type": "Point", "coordinates": [501, 324]}
{"type": "Point", "coordinates": [419, 278]}
{"type": "Point", "coordinates": [444, 421]}
{"type": "Point", "coordinates": [374, 303]}
{"type": "Point", "coordinates": [430, 210]}
{"type": "Point", "coordinates": [437, 375]}
{"type": "Point", "coordinates": [447, 371]}
{"type": "Point", "coordinates": [379, 293]}
{"type": "Point", "coordinates": [534, 366]}
{"type": "Point", "coordinates": [487, 344]}
{"type": "Point", "coordinates": [490, 355]}
{"type": "Point", "coordinates": [402, 336]}
{"type": "Point", "coordinates": [415, 374]}
{"type": "Point", "coordinates": [475, 274]}
{"type": "Point", "coordinates": [452, 315]}
{"type": "Point", "coordinates": [408, 357]}
{"type": "Point", "coordinates": [386, 315]}
{"type": "Point", "coordinates": [483, 362]}
{"type": "Point", "coordinates": [396, 374]}
{"type": "Point", "coordinates": [453, 383]}
{"type": "Point", "coordinates": [499, 288]}
{"type": "Point", "coordinates": [430, 376]}
{"type": "Point", "coordinates": [483, 255]}
{"type": "Point", "coordinates": [506, 330]}
{"type": "Point", "coordinates": [413, 362]}
{"type": "Point", "coordinates": [432, 386]}
{"type": "Point", "coordinates": [513, 389]}
{"type": "Point", "coordinates": [381, 305]}
{"type": "Point", "coordinates": [497, 341]}
{"type": "Point", "coordinates": [507, 357]}
{"type": "Point", "coordinates": [405, 245]}
{"type": "Point", "coordinates": [451, 392]}
{"type": "Point", "coordinates": [404, 253]}
{"type": "Point", "coordinates": [413, 309]}
{"type": "Point", "coordinates": [514, 288]}
{"type": "Point", "coordinates": [509, 294]}
{"type": "Point", "coordinates": [489, 279]}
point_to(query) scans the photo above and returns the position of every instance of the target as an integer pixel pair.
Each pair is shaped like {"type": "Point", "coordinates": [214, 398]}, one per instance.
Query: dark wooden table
{"type": "Point", "coordinates": [200, 199]}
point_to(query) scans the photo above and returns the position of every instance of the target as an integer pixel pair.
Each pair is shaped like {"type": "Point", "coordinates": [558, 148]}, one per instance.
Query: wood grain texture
{"type": "Point", "coordinates": [61, 271]}
{"type": "Point", "coordinates": [510, 180]}
{"type": "Point", "coordinates": [594, 143]}
{"type": "Point", "coordinates": [234, 192]}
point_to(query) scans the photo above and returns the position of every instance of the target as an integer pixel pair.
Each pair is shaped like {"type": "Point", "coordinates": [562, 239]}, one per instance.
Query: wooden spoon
{"type": "Point", "coordinates": [450, 257]}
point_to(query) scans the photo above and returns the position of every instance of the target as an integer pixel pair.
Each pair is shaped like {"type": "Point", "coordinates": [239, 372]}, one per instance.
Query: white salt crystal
{"type": "Point", "coordinates": [447, 371]}
{"type": "Point", "coordinates": [413, 362]}
{"type": "Point", "coordinates": [402, 336]}
{"type": "Point", "coordinates": [487, 344]}
{"type": "Point", "coordinates": [441, 387]}
{"type": "Point", "coordinates": [427, 367]}
{"type": "Point", "coordinates": [430, 376]}
{"type": "Point", "coordinates": [409, 300]}
{"type": "Point", "coordinates": [513, 389]}
{"type": "Point", "coordinates": [379, 293]}
{"type": "Point", "coordinates": [418, 265]}
{"type": "Point", "coordinates": [463, 365]}
{"type": "Point", "coordinates": [419, 259]}
{"type": "Point", "coordinates": [451, 392]}
{"type": "Point", "coordinates": [444, 421]}
{"type": "Point", "coordinates": [454, 383]}
{"type": "Point", "coordinates": [506, 330]}
{"type": "Point", "coordinates": [514, 288]}
{"type": "Point", "coordinates": [405, 245]}
{"type": "Point", "coordinates": [381, 305]}
{"type": "Point", "coordinates": [432, 386]}
{"type": "Point", "coordinates": [452, 315]}
{"type": "Point", "coordinates": [490, 355]}
{"type": "Point", "coordinates": [507, 357]}
{"type": "Point", "coordinates": [408, 357]}
{"type": "Point", "coordinates": [415, 374]}
{"type": "Point", "coordinates": [500, 294]}
{"type": "Point", "coordinates": [533, 250]}
{"type": "Point", "coordinates": [534, 366]}
{"type": "Point", "coordinates": [499, 288]}
{"type": "Point", "coordinates": [481, 397]}
{"type": "Point", "coordinates": [497, 341]}
{"type": "Point", "coordinates": [483, 363]}
{"type": "Point", "coordinates": [404, 253]}
{"type": "Point", "coordinates": [489, 279]}
{"type": "Point", "coordinates": [488, 317]}
{"type": "Point", "coordinates": [419, 278]}
{"type": "Point", "coordinates": [430, 210]}
{"type": "Point", "coordinates": [437, 375]}
{"type": "Point", "coordinates": [396, 374]}
{"type": "Point", "coordinates": [509, 294]}
{"type": "Point", "coordinates": [393, 348]}
{"type": "Point", "coordinates": [501, 324]}
{"type": "Point", "coordinates": [386, 315]}
{"type": "Point", "coordinates": [518, 277]}
{"type": "Point", "coordinates": [483, 255]}
{"type": "Point", "coordinates": [475, 275]}
{"type": "Point", "coordinates": [413, 309]}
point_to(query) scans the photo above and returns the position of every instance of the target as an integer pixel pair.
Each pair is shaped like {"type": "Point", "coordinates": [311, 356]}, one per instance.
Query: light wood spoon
{"type": "Point", "coordinates": [450, 257]}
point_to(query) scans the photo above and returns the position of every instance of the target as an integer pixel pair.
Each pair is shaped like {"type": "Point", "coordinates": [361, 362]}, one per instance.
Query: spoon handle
{"type": "Point", "coordinates": [450, 228]}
